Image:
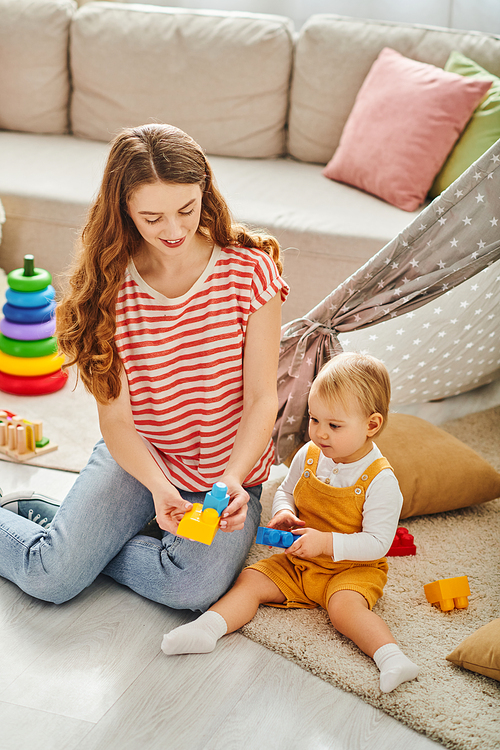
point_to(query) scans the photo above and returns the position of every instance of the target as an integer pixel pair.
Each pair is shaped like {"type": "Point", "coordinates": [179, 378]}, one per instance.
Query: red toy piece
{"type": "Point", "coordinates": [402, 545]}
{"type": "Point", "coordinates": [34, 385]}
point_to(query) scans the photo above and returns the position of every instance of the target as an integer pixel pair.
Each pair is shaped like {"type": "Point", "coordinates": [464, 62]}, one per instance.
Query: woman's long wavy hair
{"type": "Point", "coordinates": [86, 315]}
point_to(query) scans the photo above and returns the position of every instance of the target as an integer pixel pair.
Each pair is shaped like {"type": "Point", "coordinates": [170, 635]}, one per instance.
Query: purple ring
{"type": "Point", "coordinates": [28, 331]}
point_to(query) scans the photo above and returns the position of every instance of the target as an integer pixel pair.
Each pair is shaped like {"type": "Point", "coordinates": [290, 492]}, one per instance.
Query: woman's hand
{"type": "Point", "coordinates": [233, 517]}
{"type": "Point", "coordinates": [285, 520]}
{"type": "Point", "coordinates": [312, 543]}
{"type": "Point", "coordinates": [170, 508]}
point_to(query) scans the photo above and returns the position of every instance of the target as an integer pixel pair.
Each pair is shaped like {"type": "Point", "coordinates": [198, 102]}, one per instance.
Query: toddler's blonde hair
{"type": "Point", "coordinates": [360, 376]}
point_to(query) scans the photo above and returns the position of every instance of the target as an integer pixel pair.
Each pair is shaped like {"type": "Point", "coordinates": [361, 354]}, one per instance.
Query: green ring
{"type": "Point", "coordinates": [17, 348]}
{"type": "Point", "coordinates": [21, 283]}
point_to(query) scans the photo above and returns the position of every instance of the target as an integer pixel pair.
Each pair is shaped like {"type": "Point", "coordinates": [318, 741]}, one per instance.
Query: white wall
{"type": "Point", "coordinates": [481, 15]}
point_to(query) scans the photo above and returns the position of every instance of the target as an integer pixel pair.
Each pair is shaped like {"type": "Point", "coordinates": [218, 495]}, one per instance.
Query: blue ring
{"type": "Point", "coordinates": [29, 314]}
{"type": "Point", "coordinates": [30, 299]}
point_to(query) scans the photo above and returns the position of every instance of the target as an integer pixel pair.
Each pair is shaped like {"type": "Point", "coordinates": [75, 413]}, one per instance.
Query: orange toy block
{"type": "Point", "coordinates": [201, 522]}
{"type": "Point", "coordinates": [448, 593]}
{"type": "Point", "coordinates": [199, 525]}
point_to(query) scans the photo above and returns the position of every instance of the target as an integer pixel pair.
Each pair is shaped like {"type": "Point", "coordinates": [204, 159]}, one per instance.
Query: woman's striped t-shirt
{"type": "Point", "coordinates": [183, 359]}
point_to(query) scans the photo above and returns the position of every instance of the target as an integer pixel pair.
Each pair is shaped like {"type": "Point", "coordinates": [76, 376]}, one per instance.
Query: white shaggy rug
{"type": "Point", "coordinates": [459, 708]}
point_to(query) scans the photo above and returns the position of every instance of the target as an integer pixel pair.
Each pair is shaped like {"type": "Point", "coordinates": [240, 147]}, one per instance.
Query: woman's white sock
{"type": "Point", "coordinates": [197, 637]}
{"type": "Point", "coordinates": [394, 666]}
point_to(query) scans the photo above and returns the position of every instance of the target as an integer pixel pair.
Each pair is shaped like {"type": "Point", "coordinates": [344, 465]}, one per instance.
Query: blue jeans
{"type": "Point", "coordinates": [96, 530]}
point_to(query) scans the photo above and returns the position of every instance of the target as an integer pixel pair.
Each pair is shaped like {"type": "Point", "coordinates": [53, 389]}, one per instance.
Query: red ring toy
{"type": "Point", "coordinates": [32, 385]}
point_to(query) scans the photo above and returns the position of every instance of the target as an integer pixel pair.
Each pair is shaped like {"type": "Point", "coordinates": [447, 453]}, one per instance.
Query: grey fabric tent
{"type": "Point", "coordinates": [451, 240]}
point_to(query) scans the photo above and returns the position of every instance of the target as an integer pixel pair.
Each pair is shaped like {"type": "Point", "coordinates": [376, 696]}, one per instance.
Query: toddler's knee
{"type": "Point", "coordinates": [337, 607]}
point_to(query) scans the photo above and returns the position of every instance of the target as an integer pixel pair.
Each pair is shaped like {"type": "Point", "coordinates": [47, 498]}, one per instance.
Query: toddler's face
{"type": "Point", "coordinates": [341, 434]}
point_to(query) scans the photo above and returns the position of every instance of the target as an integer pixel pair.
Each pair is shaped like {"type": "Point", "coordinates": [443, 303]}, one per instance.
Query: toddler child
{"type": "Point", "coordinates": [343, 502]}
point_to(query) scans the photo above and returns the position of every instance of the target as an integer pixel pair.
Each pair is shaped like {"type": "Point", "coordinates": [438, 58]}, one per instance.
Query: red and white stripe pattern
{"type": "Point", "coordinates": [184, 363]}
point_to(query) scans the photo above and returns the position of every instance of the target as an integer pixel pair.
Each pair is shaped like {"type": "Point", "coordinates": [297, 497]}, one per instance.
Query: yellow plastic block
{"type": "Point", "coordinates": [199, 525]}
{"type": "Point", "coordinates": [448, 593]}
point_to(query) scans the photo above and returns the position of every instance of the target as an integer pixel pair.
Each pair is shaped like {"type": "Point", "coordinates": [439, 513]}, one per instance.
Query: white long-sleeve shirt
{"type": "Point", "coordinates": [381, 510]}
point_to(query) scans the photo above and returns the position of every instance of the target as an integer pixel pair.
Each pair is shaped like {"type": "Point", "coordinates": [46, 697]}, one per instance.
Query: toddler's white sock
{"type": "Point", "coordinates": [197, 637]}
{"type": "Point", "coordinates": [394, 666]}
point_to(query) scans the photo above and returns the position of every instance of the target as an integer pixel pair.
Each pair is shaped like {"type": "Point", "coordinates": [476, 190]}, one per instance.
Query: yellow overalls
{"type": "Point", "coordinates": [309, 583]}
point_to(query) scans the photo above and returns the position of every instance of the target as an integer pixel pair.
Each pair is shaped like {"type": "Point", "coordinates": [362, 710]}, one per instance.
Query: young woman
{"type": "Point", "coordinates": [172, 318]}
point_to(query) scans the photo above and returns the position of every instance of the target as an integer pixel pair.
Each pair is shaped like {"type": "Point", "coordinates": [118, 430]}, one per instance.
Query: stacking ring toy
{"type": "Point", "coordinates": [35, 283]}
{"type": "Point", "coordinates": [29, 314]}
{"type": "Point", "coordinates": [30, 366]}
{"type": "Point", "coordinates": [34, 386]}
{"type": "Point", "coordinates": [30, 299]}
{"type": "Point", "coordinates": [16, 348]}
{"type": "Point", "coordinates": [27, 331]}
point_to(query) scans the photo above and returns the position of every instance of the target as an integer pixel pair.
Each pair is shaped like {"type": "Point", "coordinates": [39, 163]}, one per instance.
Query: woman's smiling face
{"type": "Point", "coordinates": [166, 215]}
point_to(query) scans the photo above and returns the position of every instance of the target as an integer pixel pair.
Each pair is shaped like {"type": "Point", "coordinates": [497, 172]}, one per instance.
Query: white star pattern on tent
{"type": "Point", "coordinates": [465, 356]}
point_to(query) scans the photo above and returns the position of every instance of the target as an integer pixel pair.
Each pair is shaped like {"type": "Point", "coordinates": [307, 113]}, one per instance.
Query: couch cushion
{"type": "Point", "coordinates": [436, 471]}
{"type": "Point", "coordinates": [34, 81]}
{"type": "Point", "coordinates": [333, 57]}
{"type": "Point", "coordinates": [480, 651]}
{"type": "Point", "coordinates": [406, 119]}
{"type": "Point", "coordinates": [482, 131]}
{"type": "Point", "coordinates": [221, 77]}
{"type": "Point", "coordinates": [46, 185]}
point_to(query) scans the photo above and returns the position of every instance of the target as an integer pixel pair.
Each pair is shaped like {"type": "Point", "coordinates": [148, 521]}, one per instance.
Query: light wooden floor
{"type": "Point", "coordinates": [90, 675]}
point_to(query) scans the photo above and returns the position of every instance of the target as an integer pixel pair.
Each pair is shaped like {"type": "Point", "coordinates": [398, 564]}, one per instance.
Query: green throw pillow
{"type": "Point", "coordinates": [482, 130]}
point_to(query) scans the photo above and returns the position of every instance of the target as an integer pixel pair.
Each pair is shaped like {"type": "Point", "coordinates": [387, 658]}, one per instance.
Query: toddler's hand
{"type": "Point", "coordinates": [285, 520]}
{"type": "Point", "coordinates": [312, 543]}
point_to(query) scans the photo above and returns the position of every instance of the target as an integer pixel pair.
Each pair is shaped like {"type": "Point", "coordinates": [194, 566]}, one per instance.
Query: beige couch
{"type": "Point", "coordinates": [266, 104]}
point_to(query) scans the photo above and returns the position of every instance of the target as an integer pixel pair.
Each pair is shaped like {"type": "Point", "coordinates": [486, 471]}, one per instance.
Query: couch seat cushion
{"type": "Point", "coordinates": [327, 229]}
{"type": "Point", "coordinates": [46, 185]}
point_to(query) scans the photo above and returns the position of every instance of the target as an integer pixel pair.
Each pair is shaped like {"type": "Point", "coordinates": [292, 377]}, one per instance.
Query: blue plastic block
{"type": "Point", "coordinates": [217, 498]}
{"type": "Point", "coordinates": [275, 538]}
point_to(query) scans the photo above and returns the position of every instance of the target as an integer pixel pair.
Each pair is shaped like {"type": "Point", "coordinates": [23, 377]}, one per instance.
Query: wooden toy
{"type": "Point", "coordinates": [22, 439]}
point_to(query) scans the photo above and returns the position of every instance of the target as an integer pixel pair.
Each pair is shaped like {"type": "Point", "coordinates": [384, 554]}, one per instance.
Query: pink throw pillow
{"type": "Point", "coordinates": [406, 118]}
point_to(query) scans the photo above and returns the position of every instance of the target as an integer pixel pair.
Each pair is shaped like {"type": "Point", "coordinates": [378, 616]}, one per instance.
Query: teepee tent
{"type": "Point", "coordinates": [390, 307]}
